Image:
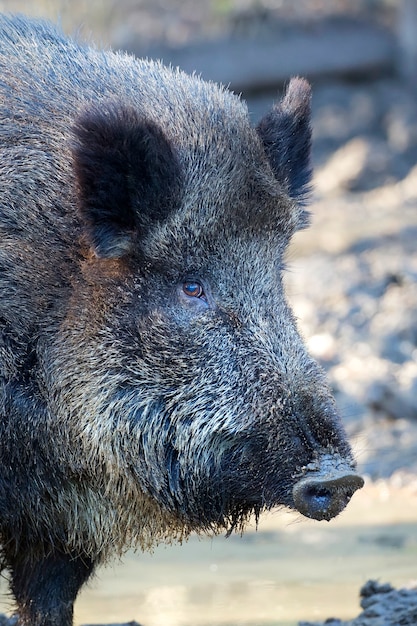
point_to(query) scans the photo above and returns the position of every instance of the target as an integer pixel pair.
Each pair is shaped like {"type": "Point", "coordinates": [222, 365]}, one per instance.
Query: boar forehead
{"type": "Point", "coordinates": [187, 246]}
{"type": "Point", "coordinates": [239, 211]}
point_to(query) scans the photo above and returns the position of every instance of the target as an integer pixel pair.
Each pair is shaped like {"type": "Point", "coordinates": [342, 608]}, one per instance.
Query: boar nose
{"type": "Point", "coordinates": [324, 497]}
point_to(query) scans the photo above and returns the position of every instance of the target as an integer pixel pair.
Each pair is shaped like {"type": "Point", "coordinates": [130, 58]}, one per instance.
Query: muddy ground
{"type": "Point", "coordinates": [353, 283]}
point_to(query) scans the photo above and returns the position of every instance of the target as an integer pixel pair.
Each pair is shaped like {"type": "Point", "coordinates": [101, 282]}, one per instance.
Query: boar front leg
{"type": "Point", "coordinates": [45, 588]}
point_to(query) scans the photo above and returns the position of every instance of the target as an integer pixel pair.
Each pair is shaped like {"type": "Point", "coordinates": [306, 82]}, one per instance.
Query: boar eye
{"type": "Point", "coordinates": [193, 289]}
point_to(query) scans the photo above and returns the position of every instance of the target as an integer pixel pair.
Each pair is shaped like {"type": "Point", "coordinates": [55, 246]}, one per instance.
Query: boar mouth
{"type": "Point", "coordinates": [322, 496]}
{"type": "Point", "coordinates": [320, 492]}
{"type": "Point", "coordinates": [235, 489]}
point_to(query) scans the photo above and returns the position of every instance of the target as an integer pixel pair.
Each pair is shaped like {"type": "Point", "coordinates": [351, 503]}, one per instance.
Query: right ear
{"type": "Point", "coordinates": [286, 135]}
{"type": "Point", "coordinates": [127, 174]}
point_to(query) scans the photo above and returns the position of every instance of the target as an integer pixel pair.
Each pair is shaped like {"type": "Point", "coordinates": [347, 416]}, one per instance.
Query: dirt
{"type": "Point", "coordinates": [382, 606]}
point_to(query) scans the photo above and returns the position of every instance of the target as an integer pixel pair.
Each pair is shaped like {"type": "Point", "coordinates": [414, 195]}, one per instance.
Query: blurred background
{"type": "Point", "coordinates": [352, 282]}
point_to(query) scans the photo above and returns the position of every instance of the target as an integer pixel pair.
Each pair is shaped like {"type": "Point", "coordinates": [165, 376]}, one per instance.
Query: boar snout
{"type": "Point", "coordinates": [322, 497]}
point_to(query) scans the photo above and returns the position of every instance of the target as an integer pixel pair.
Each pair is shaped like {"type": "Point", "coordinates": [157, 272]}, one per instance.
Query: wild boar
{"type": "Point", "coordinates": [153, 381]}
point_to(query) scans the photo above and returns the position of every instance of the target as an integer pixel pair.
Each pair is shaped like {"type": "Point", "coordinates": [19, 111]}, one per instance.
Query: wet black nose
{"type": "Point", "coordinates": [322, 498]}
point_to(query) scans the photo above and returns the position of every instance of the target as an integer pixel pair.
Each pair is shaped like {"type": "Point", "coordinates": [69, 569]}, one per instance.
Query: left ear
{"type": "Point", "coordinates": [286, 135]}
{"type": "Point", "coordinates": [127, 176]}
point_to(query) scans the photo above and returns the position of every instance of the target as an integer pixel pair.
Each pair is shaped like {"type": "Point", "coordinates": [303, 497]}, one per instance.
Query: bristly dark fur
{"type": "Point", "coordinates": [286, 134]}
{"type": "Point", "coordinates": [127, 175]}
{"type": "Point", "coordinates": [152, 378]}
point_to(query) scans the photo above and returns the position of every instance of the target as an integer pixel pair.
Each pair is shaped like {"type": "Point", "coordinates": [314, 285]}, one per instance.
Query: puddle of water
{"type": "Point", "coordinates": [289, 570]}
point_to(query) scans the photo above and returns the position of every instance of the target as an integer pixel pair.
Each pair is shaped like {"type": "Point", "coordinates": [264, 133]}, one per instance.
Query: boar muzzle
{"type": "Point", "coordinates": [322, 496]}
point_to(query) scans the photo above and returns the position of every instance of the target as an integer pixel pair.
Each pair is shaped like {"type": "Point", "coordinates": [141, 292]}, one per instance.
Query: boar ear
{"type": "Point", "coordinates": [126, 173]}
{"type": "Point", "coordinates": [286, 134]}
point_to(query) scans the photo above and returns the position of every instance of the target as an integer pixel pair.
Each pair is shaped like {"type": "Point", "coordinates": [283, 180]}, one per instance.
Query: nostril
{"type": "Point", "coordinates": [324, 498]}
{"type": "Point", "coordinates": [318, 497]}
{"type": "Point", "coordinates": [314, 500]}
